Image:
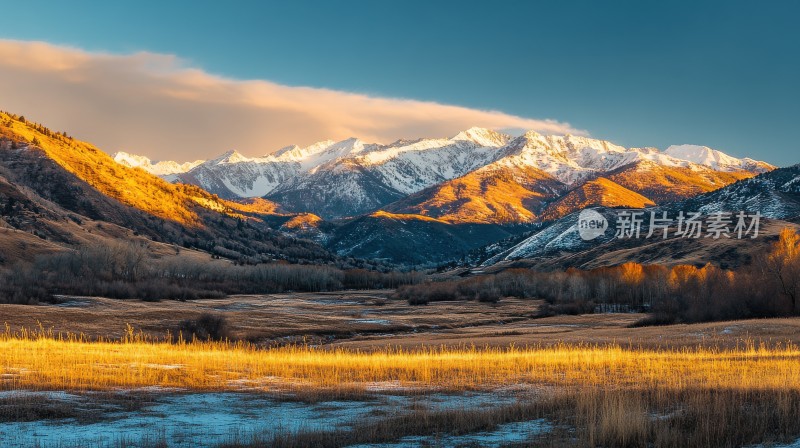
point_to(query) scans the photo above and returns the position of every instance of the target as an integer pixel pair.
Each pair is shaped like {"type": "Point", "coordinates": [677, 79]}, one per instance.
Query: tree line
{"type": "Point", "coordinates": [769, 286]}
{"type": "Point", "coordinates": [128, 271]}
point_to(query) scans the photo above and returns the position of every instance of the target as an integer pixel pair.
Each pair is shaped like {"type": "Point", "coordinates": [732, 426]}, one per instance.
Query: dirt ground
{"type": "Point", "coordinates": [368, 319]}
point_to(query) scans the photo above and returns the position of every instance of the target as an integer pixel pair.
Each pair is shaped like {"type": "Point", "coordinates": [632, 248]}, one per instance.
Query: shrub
{"type": "Point", "coordinates": [207, 327]}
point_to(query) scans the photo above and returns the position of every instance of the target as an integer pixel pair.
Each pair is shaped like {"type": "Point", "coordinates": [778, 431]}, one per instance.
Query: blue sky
{"type": "Point", "coordinates": [722, 74]}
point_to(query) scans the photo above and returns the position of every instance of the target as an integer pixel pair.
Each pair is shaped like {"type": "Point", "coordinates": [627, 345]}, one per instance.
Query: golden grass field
{"type": "Point", "coordinates": [596, 379]}
{"type": "Point", "coordinates": [608, 395]}
{"type": "Point", "coordinates": [43, 360]}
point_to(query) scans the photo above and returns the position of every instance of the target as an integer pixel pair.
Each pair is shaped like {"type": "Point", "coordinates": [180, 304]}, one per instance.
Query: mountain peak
{"type": "Point", "coordinates": [717, 160]}
{"type": "Point", "coordinates": [162, 168]}
{"type": "Point", "coordinates": [348, 146]}
{"type": "Point", "coordinates": [530, 135]}
{"type": "Point", "coordinates": [284, 150]}
{"type": "Point", "coordinates": [131, 160]}
{"type": "Point", "coordinates": [231, 156]}
{"type": "Point", "coordinates": [483, 137]}
{"type": "Point", "coordinates": [296, 153]}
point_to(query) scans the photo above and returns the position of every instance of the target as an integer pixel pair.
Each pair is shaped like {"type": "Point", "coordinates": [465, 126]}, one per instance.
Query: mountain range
{"type": "Point", "coordinates": [448, 196]}
{"type": "Point", "coordinates": [477, 196]}
{"type": "Point", "coordinates": [774, 195]}
{"type": "Point", "coordinates": [477, 176]}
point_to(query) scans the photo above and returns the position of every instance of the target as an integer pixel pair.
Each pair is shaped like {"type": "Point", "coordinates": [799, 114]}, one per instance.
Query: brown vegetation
{"type": "Point", "coordinates": [593, 418]}
{"type": "Point", "coordinates": [126, 271]}
{"type": "Point", "coordinates": [590, 396]}
{"type": "Point", "coordinates": [683, 293]}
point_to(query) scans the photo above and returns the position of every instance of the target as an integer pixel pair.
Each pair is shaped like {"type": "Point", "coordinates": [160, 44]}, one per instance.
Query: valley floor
{"type": "Point", "coordinates": [367, 320]}
{"type": "Point", "coordinates": [360, 369]}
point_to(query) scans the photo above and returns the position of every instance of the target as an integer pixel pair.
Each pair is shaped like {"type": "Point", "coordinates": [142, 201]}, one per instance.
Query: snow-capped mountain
{"type": "Point", "coordinates": [351, 177]}
{"type": "Point", "coordinates": [717, 160]}
{"type": "Point", "coordinates": [166, 169]}
{"type": "Point", "coordinates": [527, 181]}
{"type": "Point", "coordinates": [572, 159]}
{"type": "Point", "coordinates": [233, 175]}
{"type": "Point", "coordinates": [775, 195]}
{"type": "Point", "coordinates": [370, 179]}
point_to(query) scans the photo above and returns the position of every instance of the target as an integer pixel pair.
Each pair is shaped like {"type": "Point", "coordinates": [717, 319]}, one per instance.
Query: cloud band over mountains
{"type": "Point", "coordinates": [156, 105]}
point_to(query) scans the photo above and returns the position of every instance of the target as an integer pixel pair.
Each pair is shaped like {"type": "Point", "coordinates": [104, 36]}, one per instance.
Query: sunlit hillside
{"type": "Point", "coordinates": [488, 195]}
{"type": "Point", "coordinates": [254, 205]}
{"type": "Point", "coordinates": [405, 217]}
{"type": "Point", "coordinates": [133, 187]}
{"type": "Point", "coordinates": [663, 183]}
{"type": "Point", "coordinates": [600, 191]}
{"type": "Point", "coordinates": [521, 195]}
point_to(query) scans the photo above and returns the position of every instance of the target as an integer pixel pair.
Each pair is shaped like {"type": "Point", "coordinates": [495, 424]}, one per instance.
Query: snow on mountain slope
{"type": "Point", "coordinates": [165, 169]}
{"type": "Point", "coordinates": [561, 235]}
{"type": "Point", "coordinates": [775, 195]}
{"type": "Point", "coordinates": [366, 180]}
{"type": "Point", "coordinates": [320, 153]}
{"type": "Point", "coordinates": [337, 179]}
{"type": "Point", "coordinates": [337, 189]}
{"type": "Point", "coordinates": [410, 167]}
{"type": "Point", "coordinates": [483, 137]}
{"type": "Point", "coordinates": [718, 160]}
{"type": "Point", "coordinates": [573, 159]}
{"type": "Point", "coordinates": [233, 175]}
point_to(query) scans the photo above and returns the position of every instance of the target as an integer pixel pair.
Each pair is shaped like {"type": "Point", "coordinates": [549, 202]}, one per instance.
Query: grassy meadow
{"type": "Point", "coordinates": [42, 360]}
{"type": "Point", "coordinates": [593, 395]}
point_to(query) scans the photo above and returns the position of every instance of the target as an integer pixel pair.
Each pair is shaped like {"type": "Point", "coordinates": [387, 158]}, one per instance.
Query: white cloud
{"type": "Point", "coordinates": [155, 105]}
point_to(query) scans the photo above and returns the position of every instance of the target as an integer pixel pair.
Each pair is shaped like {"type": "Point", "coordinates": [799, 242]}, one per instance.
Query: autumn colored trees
{"type": "Point", "coordinates": [782, 264]}
{"type": "Point", "coordinates": [769, 286]}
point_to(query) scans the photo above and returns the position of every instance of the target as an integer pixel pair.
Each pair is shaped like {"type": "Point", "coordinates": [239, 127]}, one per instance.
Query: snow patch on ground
{"type": "Point", "coordinates": [210, 419]}
{"type": "Point", "coordinates": [517, 432]}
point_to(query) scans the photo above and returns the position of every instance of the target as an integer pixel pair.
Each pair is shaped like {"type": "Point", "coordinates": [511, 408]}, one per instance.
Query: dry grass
{"type": "Point", "coordinates": [592, 395]}
{"type": "Point", "coordinates": [592, 418]}
{"type": "Point", "coordinates": [328, 318]}
{"type": "Point", "coordinates": [41, 360]}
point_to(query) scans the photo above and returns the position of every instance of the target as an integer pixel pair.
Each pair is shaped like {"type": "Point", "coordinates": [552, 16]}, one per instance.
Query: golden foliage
{"type": "Point", "coordinates": [632, 273]}
{"type": "Point", "coordinates": [254, 205]}
{"type": "Point", "coordinates": [787, 248]}
{"type": "Point", "coordinates": [783, 264]}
